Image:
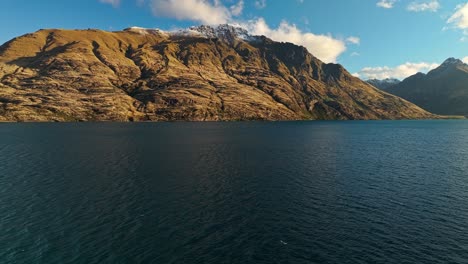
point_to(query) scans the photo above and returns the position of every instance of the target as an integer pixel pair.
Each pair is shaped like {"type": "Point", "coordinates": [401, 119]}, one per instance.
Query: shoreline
{"type": "Point", "coordinates": [238, 121]}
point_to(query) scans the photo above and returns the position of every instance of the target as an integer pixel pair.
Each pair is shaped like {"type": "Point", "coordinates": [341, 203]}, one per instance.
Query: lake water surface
{"type": "Point", "coordinates": [292, 192]}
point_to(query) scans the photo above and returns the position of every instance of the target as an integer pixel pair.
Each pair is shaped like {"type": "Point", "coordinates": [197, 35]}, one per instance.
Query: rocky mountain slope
{"type": "Point", "coordinates": [383, 84]}
{"type": "Point", "coordinates": [443, 90]}
{"type": "Point", "coordinates": [202, 73]}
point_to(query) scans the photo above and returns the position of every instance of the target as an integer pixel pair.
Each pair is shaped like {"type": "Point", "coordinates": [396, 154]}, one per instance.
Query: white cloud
{"type": "Point", "coordinates": [386, 3]}
{"type": "Point", "coordinates": [237, 9]}
{"type": "Point", "coordinates": [324, 47]}
{"type": "Point", "coordinates": [354, 40]}
{"type": "Point", "coordinates": [114, 3]}
{"type": "Point", "coordinates": [465, 60]}
{"type": "Point", "coordinates": [431, 6]}
{"type": "Point", "coordinates": [460, 18]}
{"type": "Point", "coordinates": [400, 72]}
{"type": "Point", "coordinates": [260, 4]}
{"type": "Point", "coordinates": [354, 54]}
{"type": "Point", "coordinates": [196, 10]}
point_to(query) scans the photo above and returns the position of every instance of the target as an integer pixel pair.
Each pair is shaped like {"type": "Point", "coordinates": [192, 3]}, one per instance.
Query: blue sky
{"type": "Point", "coordinates": [372, 38]}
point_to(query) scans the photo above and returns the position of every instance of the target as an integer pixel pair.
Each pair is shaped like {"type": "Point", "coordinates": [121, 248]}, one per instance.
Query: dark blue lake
{"type": "Point", "coordinates": [293, 192]}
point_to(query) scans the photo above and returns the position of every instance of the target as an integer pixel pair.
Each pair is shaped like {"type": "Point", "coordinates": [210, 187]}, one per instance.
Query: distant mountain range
{"type": "Point", "coordinates": [442, 91]}
{"type": "Point", "coordinates": [202, 73]}
{"type": "Point", "coordinates": [384, 84]}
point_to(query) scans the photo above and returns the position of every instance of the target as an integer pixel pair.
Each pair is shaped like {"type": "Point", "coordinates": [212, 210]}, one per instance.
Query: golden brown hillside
{"type": "Point", "coordinates": [137, 75]}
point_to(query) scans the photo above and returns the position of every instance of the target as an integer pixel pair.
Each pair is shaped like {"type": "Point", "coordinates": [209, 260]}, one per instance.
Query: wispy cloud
{"type": "Point", "coordinates": [431, 6]}
{"type": "Point", "coordinates": [386, 3]}
{"type": "Point", "coordinates": [260, 4]}
{"type": "Point", "coordinates": [195, 10]}
{"type": "Point", "coordinates": [354, 40]}
{"type": "Point", "coordinates": [465, 60]}
{"type": "Point", "coordinates": [400, 72]}
{"type": "Point", "coordinates": [237, 9]}
{"type": "Point", "coordinates": [460, 18]}
{"type": "Point", "coordinates": [114, 3]}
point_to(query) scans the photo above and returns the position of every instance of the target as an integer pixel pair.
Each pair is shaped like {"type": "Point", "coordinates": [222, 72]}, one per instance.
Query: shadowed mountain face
{"type": "Point", "coordinates": [199, 74]}
{"type": "Point", "coordinates": [442, 91]}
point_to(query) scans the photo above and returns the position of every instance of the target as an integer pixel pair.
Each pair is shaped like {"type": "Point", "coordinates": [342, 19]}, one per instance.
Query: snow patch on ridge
{"type": "Point", "coordinates": [225, 32]}
{"type": "Point", "coordinates": [144, 31]}
{"type": "Point", "coordinates": [452, 61]}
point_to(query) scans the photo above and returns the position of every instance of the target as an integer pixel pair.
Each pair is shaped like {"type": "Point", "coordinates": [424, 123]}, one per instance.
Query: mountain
{"type": "Point", "coordinates": [383, 84]}
{"type": "Point", "coordinates": [202, 73]}
{"type": "Point", "coordinates": [443, 90]}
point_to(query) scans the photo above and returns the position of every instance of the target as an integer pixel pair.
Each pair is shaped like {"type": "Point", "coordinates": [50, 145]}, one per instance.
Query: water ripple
{"type": "Point", "coordinates": [294, 192]}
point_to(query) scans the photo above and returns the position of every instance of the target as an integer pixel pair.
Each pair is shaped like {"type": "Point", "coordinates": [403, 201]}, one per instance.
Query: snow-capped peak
{"type": "Point", "coordinates": [387, 80]}
{"type": "Point", "coordinates": [452, 61]}
{"type": "Point", "coordinates": [224, 31]}
{"type": "Point", "coordinates": [383, 84]}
